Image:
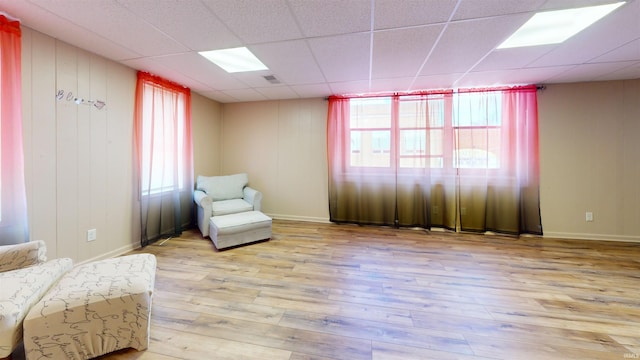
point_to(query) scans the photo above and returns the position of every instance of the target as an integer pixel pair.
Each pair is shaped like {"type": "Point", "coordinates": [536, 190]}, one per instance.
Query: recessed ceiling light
{"type": "Point", "coordinates": [553, 27]}
{"type": "Point", "coordinates": [234, 60]}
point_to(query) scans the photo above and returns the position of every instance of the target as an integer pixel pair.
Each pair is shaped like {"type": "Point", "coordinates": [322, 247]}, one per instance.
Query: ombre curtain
{"type": "Point", "coordinates": [164, 157]}
{"type": "Point", "coordinates": [496, 137]}
{"type": "Point", "coordinates": [461, 161]}
{"type": "Point", "coordinates": [13, 211]}
{"type": "Point", "coordinates": [385, 156]}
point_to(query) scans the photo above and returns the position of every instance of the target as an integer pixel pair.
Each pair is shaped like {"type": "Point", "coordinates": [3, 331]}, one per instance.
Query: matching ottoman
{"type": "Point", "coordinates": [238, 229]}
{"type": "Point", "coordinates": [94, 309]}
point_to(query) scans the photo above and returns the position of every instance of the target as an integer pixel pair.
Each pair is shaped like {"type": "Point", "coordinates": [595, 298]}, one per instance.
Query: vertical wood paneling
{"type": "Point", "coordinates": [78, 159]}
{"type": "Point", "coordinates": [98, 148]}
{"type": "Point", "coordinates": [250, 143]}
{"type": "Point", "coordinates": [84, 155]}
{"type": "Point", "coordinates": [629, 211]}
{"type": "Point", "coordinates": [27, 124]}
{"type": "Point", "coordinates": [42, 111]}
{"type": "Point", "coordinates": [301, 128]}
{"type": "Point", "coordinates": [120, 226]}
{"type": "Point", "coordinates": [206, 125]}
{"type": "Point", "coordinates": [67, 180]}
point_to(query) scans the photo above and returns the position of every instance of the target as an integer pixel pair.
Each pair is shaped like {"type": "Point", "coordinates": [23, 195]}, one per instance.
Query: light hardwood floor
{"type": "Point", "coordinates": [327, 291]}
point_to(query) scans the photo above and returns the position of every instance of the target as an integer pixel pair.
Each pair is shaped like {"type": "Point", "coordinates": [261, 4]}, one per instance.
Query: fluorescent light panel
{"type": "Point", "coordinates": [553, 27]}
{"type": "Point", "coordinates": [234, 60]}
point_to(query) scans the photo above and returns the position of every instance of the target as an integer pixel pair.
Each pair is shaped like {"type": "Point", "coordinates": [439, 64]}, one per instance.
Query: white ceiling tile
{"type": "Point", "coordinates": [401, 52]}
{"type": "Point", "coordinates": [626, 52]}
{"type": "Point", "coordinates": [277, 92]}
{"type": "Point", "coordinates": [189, 22]}
{"type": "Point", "coordinates": [431, 82]}
{"type": "Point", "coordinates": [114, 22]}
{"type": "Point", "coordinates": [630, 72]}
{"type": "Point", "coordinates": [509, 77]}
{"type": "Point", "coordinates": [568, 4]}
{"type": "Point", "coordinates": [343, 58]}
{"type": "Point", "coordinates": [391, 85]}
{"type": "Point", "coordinates": [349, 87]}
{"type": "Point", "coordinates": [218, 96]}
{"type": "Point", "coordinates": [392, 13]}
{"type": "Point", "coordinates": [254, 79]}
{"type": "Point", "coordinates": [311, 90]}
{"type": "Point", "coordinates": [513, 58]}
{"type": "Point", "coordinates": [473, 9]}
{"type": "Point", "coordinates": [291, 61]}
{"type": "Point", "coordinates": [599, 70]}
{"type": "Point", "coordinates": [330, 17]}
{"type": "Point", "coordinates": [465, 43]}
{"type": "Point", "coordinates": [44, 21]}
{"type": "Point", "coordinates": [256, 21]}
{"type": "Point", "coordinates": [157, 69]}
{"type": "Point", "coordinates": [245, 95]}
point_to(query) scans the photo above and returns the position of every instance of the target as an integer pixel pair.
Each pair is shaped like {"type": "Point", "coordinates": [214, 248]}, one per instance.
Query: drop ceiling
{"type": "Point", "coordinates": [316, 48]}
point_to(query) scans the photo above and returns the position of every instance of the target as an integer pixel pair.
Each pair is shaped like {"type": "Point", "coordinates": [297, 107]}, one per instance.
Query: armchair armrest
{"type": "Point", "coordinates": [253, 197]}
{"type": "Point", "coordinates": [201, 198]}
{"type": "Point", "coordinates": [203, 210]}
{"type": "Point", "coordinates": [22, 255]}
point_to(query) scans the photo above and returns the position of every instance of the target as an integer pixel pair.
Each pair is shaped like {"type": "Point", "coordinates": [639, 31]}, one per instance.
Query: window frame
{"type": "Point", "coordinates": [449, 127]}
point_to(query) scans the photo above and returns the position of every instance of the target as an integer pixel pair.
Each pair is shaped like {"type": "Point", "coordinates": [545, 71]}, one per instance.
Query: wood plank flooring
{"type": "Point", "coordinates": [327, 291]}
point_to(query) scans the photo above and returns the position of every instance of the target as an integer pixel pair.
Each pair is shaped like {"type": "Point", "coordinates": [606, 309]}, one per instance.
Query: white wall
{"type": "Point", "coordinates": [206, 131]}
{"type": "Point", "coordinates": [78, 159]}
{"type": "Point", "coordinates": [590, 152]}
{"type": "Point", "coordinates": [282, 146]}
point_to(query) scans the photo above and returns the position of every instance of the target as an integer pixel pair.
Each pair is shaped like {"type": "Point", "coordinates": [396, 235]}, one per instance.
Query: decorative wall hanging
{"type": "Point", "coordinates": [98, 104]}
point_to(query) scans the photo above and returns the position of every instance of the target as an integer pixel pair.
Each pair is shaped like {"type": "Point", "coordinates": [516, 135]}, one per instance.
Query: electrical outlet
{"type": "Point", "coordinates": [588, 216]}
{"type": "Point", "coordinates": [463, 211]}
{"type": "Point", "coordinates": [435, 210]}
{"type": "Point", "coordinates": [91, 234]}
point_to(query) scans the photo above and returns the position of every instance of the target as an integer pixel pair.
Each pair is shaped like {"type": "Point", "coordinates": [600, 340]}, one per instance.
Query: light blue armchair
{"type": "Point", "coordinates": [223, 195]}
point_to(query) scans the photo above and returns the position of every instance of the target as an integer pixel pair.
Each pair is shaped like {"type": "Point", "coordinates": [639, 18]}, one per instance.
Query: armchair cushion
{"type": "Point", "coordinates": [223, 187]}
{"type": "Point", "coordinates": [226, 207]}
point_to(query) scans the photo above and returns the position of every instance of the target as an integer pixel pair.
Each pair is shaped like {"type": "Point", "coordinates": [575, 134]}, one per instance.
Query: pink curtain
{"type": "Point", "coordinates": [13, 212]}
{"type": "Point", "coordinates": [385, 160]}
{"type": "Point", "coordinates": [164, 157]}
{"type": "Point", "coordinates": [465, 161]}
{"type": "Point", "coordinates": [496, 139]}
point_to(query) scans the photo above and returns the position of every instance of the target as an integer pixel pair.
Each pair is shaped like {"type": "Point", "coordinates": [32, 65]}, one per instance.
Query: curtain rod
{"type": "Point", "coordinates": [538, 87]}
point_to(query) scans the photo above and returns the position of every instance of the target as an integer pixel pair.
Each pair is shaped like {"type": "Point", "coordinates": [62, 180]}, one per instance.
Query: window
{"type": "Point", "coordinates": [410, 130]}
{"type": "Point", "coordinates": [370, 132]}
{"type": "Point", "coordinates": [477, 126]}
{"type": "Point", "coordinates": [163, 140]}
{"type": "Point", "coordinates": [420, 132]}
{"type": "Point", "coordinates": [164, 166]}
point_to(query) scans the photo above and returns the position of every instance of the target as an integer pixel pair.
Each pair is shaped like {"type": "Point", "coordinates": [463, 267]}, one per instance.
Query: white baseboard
{"type": "Point", "coordinates": [111, 254]}
{"type": "Point", "coordinates": [599, 237]}
{"type": "Point", "coordinates": [299, 218]}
